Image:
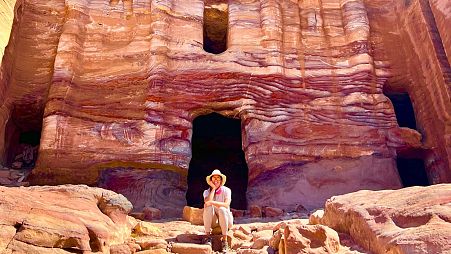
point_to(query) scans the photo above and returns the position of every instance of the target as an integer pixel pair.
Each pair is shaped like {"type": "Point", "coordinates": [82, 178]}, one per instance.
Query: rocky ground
{"type": "Point", "coordinates": [13, 177]}
{"type": "Point", "coordinates": [81, 219]}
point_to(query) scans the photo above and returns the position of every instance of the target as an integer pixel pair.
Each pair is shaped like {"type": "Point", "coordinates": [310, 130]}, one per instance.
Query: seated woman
{"type": "Point", "coordinates": [217, 206]}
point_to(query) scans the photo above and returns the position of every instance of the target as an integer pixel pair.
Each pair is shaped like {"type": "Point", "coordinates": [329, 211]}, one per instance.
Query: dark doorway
{"type": "Point", "coordinates": [412, 172]}
{"type": "Point", "coordinates": [216, 143]}
{"type": "Point", "coordinates": [403, 109]}
{"type": "Point", "coordinates": [410, 164]}
{"type": "Point", "coordinates": [216, 24]}
{"type": "Point", "coordinates": [22, 143]}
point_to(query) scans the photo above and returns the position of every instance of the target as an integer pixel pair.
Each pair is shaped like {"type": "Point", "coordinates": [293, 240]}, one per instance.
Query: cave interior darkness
{"type": "Point", "coordinates": [20, 135]}
{"type": "Point", "coordinates": [411, 169]}
{"type": "Point", "coordinates": [215, 26]}
{"type": "Point", "coordinates": [216, 143]}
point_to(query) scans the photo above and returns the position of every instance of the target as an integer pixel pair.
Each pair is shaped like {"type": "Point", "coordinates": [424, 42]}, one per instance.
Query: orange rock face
{"type": "Point", "coordinates": [77, 218]}
{"type": "Point", "coordinates": [411, 220]}
{"type": "Point", "coordinates": [116, 86]}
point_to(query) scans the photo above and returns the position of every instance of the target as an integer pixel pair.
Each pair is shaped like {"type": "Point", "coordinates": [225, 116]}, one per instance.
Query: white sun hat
{"type": "Point", "coordinates": [217, 172]}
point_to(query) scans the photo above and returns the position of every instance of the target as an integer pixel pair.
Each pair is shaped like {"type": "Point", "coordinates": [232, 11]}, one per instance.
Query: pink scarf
{"type": "Point", "coordinates": [218, 191]}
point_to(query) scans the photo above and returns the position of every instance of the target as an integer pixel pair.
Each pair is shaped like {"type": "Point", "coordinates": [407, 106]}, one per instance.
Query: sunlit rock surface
{"type": "Point", "coordinates": [411, 220]}
{"type": "Point", "coordinates": [118, 84]}
{"type": "Point", "coordinates": [6, 22]}
{"type": "Point", "coordinates": [68, 218]}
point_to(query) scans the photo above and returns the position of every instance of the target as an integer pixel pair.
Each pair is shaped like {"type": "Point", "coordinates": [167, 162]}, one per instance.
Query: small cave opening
{"type": "Point", "coordinates": [22, 140]}
{"type": "Point", "coordinates": [410, 164]}
{"type": "Point", "coordinates": [412, 172]}
{"type": "Point", "coordinates": [404, 112]}
{"type": "Point", "coordinates": [215, 26]}
{"type": "Point", "coordinates": [216, 144]}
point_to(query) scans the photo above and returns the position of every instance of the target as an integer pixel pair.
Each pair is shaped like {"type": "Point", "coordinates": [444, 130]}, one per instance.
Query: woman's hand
{"type": "Point", "coordinates": [212, 185]}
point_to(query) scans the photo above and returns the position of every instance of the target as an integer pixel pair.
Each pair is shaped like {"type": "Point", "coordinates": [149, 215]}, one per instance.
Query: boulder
{"type": "Point", "coordinates": [193, 215]}
{"type": "Point", "coordinates": [310, 239]}
{"type": "Point", "coordinates": [154, 251]}
{"type": "Point", "coordinates": [62, 217]}
{"type": "Point", "coordinates": [146, 228]}
{"type": "Point", "coordinates": [245, 229]}
{"type": "Point", "coordinates": [191, 248]}
{"type": "Point", "coordinates": [151, 213]}
{"type": "Point", "coordinates": [315, 217]}
{"type": "Point", "coordinates": [274, 241]}
{"type": "Point", "coordinates": [262, 233]}
{"type": "Point", "coordinates": [255, 211]}
{"type": "Point", "coordinates": [273, 212]}
{"type": "Point", "coordinates": [120, 249]}
{"type": "Point", "coordinates": [238, 213]}
{"type": "Point", "coordinates": [147, 243]}
{"type": "Point", "coordinates": [410, 220]}
{"type": "Point", "coordinates": [241, 235]}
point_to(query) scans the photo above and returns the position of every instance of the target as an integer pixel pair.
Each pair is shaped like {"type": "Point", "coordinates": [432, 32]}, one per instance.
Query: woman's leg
{"type": "Point", "coordinates": [230, 219]}
{"type": "Point", "coordinates": [208, 215]}
{"type": "Point", "coordinates": [224, 220]}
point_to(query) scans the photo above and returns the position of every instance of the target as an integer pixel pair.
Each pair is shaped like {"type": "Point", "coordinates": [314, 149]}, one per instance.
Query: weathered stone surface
{"type": "Point", "coordinates": [237, 213]}
{"type": "Point", "coordinates": [61, 217]}
{"type": "Point", "coordinates": [310, 239]}
{"type": "Point", "coordinates": [193, 215]}
{"type": "Point", "coordinates": [120, 249]}
{"type": "Point", "coordinates": [255, 211]}
{"type": "Point", "coordinates": [275, 239]}
{"type": "Point", "coordinates": [160, 189]}
{"type": "Point", "coordinates": [262, 233]}
{"type": "Point", "coordinates": [261, 238]}
{"type": "Point", "coordinates": [190, 238]}
{"type": "Point", "coordinates": [155, 251]}
{"type": "Point", "coordinates": [410, 220]}
{"type": "Point", "coordinates": [241, 235]}
{"type": "Point", "coordinates": [151, 213]}
{"type": "Point", "coordinates": [151, 243]}
{"type": "Point", "coordinates": [251, 251]}
{"type": "Point", "coordinates": [6, 22]}
{"type": "Point", "coordinates": [411, 50]}
{"type": "Point", "coordinates": [316, 217]}
{"type": "Point", "coordinates": [273, 212]}
{"type": "Point", "coordinates": [245, 229]}
{"type": "Point", "coordinates": [118, 85]}
{"type": "Point", "coordinates": [442, 17]}
{"type": "Point", "coordinates": [147, 228]}
{"type": "Point", "coordinates": [190, 248]}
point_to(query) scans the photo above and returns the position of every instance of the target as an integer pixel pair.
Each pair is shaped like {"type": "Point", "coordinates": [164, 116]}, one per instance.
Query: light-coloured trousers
{"type": "Point", "coordinates": [211, 216]}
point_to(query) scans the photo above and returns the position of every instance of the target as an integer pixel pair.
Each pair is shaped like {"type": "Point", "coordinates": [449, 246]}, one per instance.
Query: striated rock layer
{"type": "Point", "coordinates": [412, 42]}
{"type": "Point", "coordinates": [411, 220]}
{"type": "Point", "coordinates": [119, 84]}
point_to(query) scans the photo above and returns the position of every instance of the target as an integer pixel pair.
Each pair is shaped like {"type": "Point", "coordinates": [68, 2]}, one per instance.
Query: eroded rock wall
{"type": "Point", "coordinates": [121, 83]}
{"type": "Point", "coordinates": [27, 68]}
{"type": "Point", "coordinates": [412, 42]}
{"type": "Point", "coordinates": [6, 22]}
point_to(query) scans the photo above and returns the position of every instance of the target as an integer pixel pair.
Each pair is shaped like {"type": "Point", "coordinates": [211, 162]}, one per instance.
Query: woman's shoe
{"type": "Point", "coordinates": [207, 241]}
{"type": "Point", "coordinates": [225, 246]}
